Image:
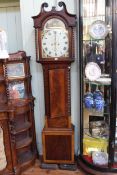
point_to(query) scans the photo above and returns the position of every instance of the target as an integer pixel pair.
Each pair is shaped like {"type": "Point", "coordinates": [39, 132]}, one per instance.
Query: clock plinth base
{"type": "Point", "coordinates": [58, 145]}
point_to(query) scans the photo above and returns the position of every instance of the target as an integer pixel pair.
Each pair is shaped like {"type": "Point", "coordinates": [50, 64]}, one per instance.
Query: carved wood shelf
{"type": "Point", "coordinates": [24, 127]}
{"type": "Point", "coordinates": [26, 158]}
{"type": "Point", "coordinates": [23, 143]}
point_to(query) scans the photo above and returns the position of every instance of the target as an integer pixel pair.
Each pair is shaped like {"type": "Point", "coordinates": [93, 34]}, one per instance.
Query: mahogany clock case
{"type": "Point", "coordinates": [58, 133]}
{"type": "Point", "coordinates": [56, 28]}
{"type": "Point", "coordinates": [16, 114]}
{"type": "Point", "coordinates": [57, 82]}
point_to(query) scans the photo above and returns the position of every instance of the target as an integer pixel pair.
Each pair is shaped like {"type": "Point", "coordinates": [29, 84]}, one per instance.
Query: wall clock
{"type": "Point", "coordinates": [54, 36]}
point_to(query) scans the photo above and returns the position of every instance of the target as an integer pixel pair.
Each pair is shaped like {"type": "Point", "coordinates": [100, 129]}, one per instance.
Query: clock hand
{"type": "Point", "coordinates": [55, 43]}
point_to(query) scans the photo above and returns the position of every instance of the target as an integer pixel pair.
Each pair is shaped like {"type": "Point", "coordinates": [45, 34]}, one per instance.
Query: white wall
{"type": "Point", "coordinates": [29, 9]}
{"type": "Point", "coordinates": [10, 21]}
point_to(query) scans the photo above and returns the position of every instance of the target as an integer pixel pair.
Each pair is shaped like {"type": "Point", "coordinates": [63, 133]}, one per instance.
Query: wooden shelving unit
{"type": "Point", "coordinates": [17, 103]}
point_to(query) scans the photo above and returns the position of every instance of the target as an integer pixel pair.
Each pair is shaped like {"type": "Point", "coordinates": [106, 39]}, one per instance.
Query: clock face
{"type": "Point", "coordinates": [55, 43]}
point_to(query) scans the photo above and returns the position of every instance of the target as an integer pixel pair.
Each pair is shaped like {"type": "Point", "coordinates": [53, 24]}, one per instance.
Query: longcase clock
{"type": "Point", "coordinates": [54, 36]}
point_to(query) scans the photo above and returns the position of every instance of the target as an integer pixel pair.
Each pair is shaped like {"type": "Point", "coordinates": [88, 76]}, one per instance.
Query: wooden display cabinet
{"type": "Point", "coordinates": [6, 165]}
{"type": "Point", "coordinates": [55, 51]}
{"type": "Point", "coordinates": [98, 65]}
{"type": "Point", "coordinates": [15, 86]}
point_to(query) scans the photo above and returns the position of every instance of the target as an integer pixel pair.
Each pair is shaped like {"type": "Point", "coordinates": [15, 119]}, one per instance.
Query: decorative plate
{"type": "Point", "coordinates": [98, 30]}
{"type": "Point", "coordinates": [100, 158]}
{"type": "Point", "coordinates": [92, 71]}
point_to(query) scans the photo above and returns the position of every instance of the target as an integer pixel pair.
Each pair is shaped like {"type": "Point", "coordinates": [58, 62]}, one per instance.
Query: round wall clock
{"type": "Point", "coordinates": [98, 30]}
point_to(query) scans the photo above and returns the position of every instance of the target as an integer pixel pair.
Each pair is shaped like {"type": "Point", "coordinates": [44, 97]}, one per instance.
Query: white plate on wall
{"type": "Point", "coordinates": [98, 30]}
